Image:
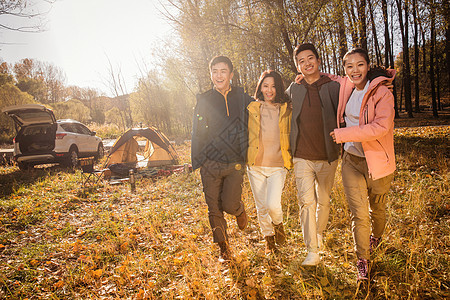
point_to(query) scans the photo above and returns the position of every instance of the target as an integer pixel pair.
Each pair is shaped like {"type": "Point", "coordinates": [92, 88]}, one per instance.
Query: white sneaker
{"type": "Point", "coordinates": [312, 259]}
{"type": "Point", "coordinates": [320, 242]}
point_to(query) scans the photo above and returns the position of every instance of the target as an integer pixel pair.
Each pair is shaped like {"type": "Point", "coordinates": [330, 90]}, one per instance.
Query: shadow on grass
{"type": "Point", "coordinates": [281, 277]}
{"type": "Point", "coordinates": [415, 151]}
{"type": "Point", "coordinates": [13, 180]}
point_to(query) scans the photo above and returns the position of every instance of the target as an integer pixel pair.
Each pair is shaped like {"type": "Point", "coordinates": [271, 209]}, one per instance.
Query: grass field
{"type": "Point", "coordinates": [58, 242]}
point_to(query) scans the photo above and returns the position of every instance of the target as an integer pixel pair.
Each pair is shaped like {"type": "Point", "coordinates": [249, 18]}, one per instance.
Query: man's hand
{"type": "Point", "coordinates": [390, 86]}
{"type": "Point", "coordinates": [333, 136]}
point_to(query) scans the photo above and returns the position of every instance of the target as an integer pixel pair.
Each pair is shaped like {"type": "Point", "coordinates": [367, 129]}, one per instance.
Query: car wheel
{"type": "Point", "coordinates": [24, 166]}
{"type": "Point", "coordinates": [72, 158]}
{"type": "Point", "coordinates": [100, 151]}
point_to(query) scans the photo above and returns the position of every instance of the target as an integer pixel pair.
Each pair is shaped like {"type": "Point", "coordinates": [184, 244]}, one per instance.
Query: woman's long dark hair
{"type": "Point", "coordinates": [374, 71]}
{"type": "Point", "coordinates": [280, 96]}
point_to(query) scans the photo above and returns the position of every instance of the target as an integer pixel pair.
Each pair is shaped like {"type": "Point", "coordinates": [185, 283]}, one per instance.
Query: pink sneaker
{"type": "Point", "coordinates": [363, 269]}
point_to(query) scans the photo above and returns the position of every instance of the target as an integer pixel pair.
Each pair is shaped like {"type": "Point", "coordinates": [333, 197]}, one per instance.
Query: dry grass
{"type": "Point", "coordinates": [108, 243]}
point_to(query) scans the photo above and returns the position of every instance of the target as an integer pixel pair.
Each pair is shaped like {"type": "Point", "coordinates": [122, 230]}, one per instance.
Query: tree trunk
{"type": "Point", "coordinates": [424, 44]}
{"type": "Point", "coordinates": [374, 33]}
{"type": "Point", "coordinates": [391, 59]}
{"type": "Point", "coordinates": [387, 41]}
{"type": "Point", "coordinates": [447, 50]}
{"type": "Point", "coordinates": [285, 34]}
{"type": "Point", "coordinates": [362, 23]}
{"type": "Point", "coordinates": [404, 28]}
{"type": "Point", "coordinates": [433, 40]}
{"type": "Point", "coordinates": [438, 80]}
{"type": "Point", "coordinates": [402, 86]}
{"type": "Point", "coordinates": [353, 22]}
{"type": "Point", "coordinates": [447, 40]}
{"type": "Point", "coordinates": [341, 30]}
{"type": "Point", "coordinates": [416, 59]}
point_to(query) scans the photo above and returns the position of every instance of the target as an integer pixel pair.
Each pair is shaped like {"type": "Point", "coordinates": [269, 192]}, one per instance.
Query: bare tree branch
{"type": "Point", "coordinates": [27, 10]}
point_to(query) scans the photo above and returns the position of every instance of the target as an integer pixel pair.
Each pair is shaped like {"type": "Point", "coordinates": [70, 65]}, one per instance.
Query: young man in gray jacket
{"type": "Point", "coordinates": [314, 109]}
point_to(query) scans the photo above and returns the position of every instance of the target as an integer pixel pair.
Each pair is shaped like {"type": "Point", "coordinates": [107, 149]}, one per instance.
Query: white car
{"type": "Point", "coordinates": [41, 139]}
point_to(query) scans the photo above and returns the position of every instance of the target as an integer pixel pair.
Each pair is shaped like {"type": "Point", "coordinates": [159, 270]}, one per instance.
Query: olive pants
{"type": "Point", "coordinates": [366, 200]}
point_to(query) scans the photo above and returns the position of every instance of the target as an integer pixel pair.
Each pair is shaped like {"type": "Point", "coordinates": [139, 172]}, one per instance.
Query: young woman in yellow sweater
{"type": "Point", "coordinates": [269, 154]}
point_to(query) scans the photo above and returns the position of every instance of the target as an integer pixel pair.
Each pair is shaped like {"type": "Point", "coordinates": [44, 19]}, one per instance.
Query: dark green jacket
{"type": "Point", "coordinates": [219, 134]}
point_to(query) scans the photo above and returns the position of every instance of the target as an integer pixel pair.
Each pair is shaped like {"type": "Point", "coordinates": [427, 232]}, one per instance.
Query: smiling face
{"type": "Point", "coordinates": [308, 64]}
{"type": "Point", "coordinates": [356, 69]}
{"type": "Point", "coordinates": [268, 89]}
{"type": "Point", "coordinates": [221, 76]}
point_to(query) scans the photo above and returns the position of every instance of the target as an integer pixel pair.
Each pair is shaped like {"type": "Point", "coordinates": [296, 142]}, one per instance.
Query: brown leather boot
{"type": "Point", "coordinates": [270, 244]}
{"type": "Point", "coordinates": [242, 220]}
{"type": "Point", "coordinates": [225, 253]}
{"type": "Point", "coordinates": [280, 236]}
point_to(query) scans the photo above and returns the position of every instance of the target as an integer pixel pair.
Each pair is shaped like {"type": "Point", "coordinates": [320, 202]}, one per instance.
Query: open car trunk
{"type": "Point", "coordinates": [35, 139]}
{"type": "Point", "coordinates": [36, 127]}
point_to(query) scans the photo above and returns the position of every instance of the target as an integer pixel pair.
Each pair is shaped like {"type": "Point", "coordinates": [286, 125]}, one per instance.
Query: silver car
{"type": "Point", "coordinates": [41, 139]}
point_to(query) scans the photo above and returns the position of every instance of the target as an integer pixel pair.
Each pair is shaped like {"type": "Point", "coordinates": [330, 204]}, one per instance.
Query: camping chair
{"type": "Point", "coordinates": [89, 175]}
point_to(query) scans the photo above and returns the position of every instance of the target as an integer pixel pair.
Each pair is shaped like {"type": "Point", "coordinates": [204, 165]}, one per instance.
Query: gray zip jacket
{"type": "Point", "coordinates": [329, 98]}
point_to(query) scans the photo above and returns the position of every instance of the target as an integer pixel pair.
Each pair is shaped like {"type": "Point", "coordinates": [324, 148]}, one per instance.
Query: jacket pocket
{"type": "Point", "coordinates": [384, 150]}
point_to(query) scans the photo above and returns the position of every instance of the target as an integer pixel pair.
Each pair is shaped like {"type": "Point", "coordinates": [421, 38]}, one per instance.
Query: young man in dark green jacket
{"type": "Point", "coordinates": [219, 146]}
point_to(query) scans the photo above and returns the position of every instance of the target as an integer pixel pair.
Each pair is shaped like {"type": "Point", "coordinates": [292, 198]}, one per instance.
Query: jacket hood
{"type": "Point", "coordinates": [317, 84]}
{"type": "Point", "coordinates": [379, 80]}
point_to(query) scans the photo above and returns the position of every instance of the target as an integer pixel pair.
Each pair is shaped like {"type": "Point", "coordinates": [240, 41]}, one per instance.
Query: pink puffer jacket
{"type": "Point", "coordinates": [376, 125]}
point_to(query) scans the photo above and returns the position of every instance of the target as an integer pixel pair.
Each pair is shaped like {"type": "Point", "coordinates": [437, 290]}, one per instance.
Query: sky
{"type": "Point", "coordinates": [81, 35]}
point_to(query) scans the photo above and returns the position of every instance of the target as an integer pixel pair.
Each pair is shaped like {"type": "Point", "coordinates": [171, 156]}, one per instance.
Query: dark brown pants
{"type": "Point", "coordinates": [222, 186]}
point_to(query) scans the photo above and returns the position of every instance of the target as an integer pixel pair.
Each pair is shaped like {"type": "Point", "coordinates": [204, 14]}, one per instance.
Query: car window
{"type": "Point", "coordinates": [36, 130]}
{"type": "Point", "coordinates": [82, 129]}
{"type": "Point", "coordinates": [68, 127]}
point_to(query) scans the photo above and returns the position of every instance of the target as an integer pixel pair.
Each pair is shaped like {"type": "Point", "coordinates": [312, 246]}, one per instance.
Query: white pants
{"type": "Point", "coordinates": [314, 180]}
{"type": "Point", "coordinates": [267, 185]}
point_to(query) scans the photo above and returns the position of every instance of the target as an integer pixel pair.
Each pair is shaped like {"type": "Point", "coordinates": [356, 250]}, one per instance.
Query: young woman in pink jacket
{"type": "Point", "coordinates": [365, 127]}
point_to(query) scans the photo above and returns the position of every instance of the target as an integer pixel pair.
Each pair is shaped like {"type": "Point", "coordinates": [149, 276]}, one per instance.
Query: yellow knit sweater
{"type": "Point", "coordinates": [254, 127]}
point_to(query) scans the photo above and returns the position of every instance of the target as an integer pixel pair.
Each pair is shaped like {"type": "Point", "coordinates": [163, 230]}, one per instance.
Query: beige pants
{"type": "Point", "coordinates": [366, 200]}
{"type": "Point", "coordinates": [314, 180]}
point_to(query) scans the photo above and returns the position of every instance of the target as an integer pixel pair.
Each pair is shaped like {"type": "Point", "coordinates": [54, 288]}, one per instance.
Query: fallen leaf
{"type": "Point", "coordinates": [250, 282]}
{"type": "Point", "coordinates": [34, 262]}
{"type": "Point", "coordinates": [140, 294]}
{"type": "Point", "coordinates": [97, 273]}
{"type": "Point", "coordinates": [324, 281]}
{"type": "Point", "coordinates": [58, 284]}
{"type": "Point", "coordinates": [252, 294]}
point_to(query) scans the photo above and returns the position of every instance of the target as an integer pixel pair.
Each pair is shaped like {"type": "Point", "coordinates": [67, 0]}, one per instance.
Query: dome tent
{"type": "Point", "coordinates": [158, 151]}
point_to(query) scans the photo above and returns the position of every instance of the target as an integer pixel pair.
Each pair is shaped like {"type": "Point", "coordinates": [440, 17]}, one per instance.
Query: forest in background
{"type": "Point", "coordinates": [256, 35]}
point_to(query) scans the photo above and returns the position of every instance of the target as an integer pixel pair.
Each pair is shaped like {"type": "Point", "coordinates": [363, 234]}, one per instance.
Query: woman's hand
{"type": "Point", "coordinates": [333, 136]}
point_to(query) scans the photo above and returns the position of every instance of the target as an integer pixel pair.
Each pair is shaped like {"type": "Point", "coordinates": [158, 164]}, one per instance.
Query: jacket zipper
{"type": "Point", "coordinates": [226, 104]}
{"type": "Point", "coordinates": [366, 115]}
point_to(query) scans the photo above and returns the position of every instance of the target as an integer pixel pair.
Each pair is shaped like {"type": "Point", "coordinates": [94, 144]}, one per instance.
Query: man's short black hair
{"type": "Point", "coordinates": [303, 47]}
{"type": "Point", "coordinates": [221, 59]}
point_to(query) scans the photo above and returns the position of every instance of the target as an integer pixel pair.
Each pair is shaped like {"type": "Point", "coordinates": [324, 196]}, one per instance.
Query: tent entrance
{"type": "Point", "coordinates": [143, 147]}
